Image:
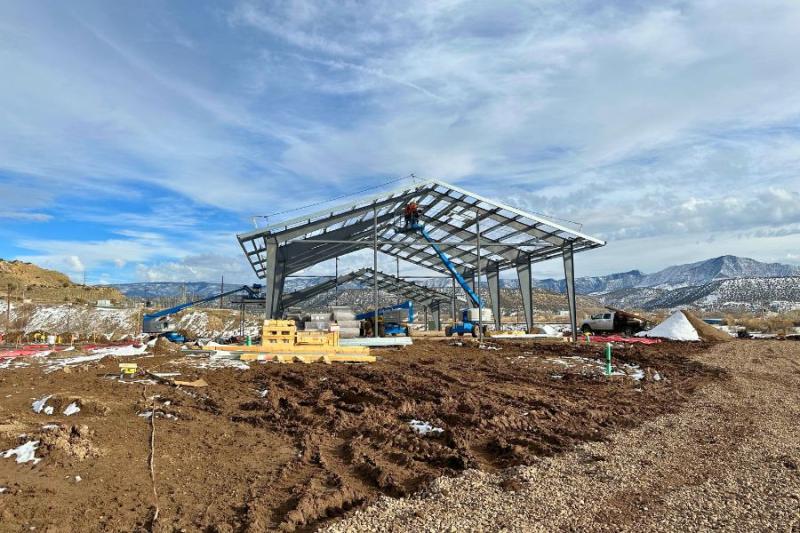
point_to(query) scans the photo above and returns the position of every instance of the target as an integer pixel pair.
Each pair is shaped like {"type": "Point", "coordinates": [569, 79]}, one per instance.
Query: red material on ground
{"type": "Point", "coordinates": [8, 354]}
{"type": "Point", "coordinates": [28, 350]}
{"type": "Point", "coordinates": [629, 340]}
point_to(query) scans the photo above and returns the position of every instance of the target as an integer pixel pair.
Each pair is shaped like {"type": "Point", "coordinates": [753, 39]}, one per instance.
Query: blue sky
{"type": "Point", "coordinates": [136, 138]}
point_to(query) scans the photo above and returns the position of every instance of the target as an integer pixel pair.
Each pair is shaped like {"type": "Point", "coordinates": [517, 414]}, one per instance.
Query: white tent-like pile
{"type": "Point", "coordinates": [677, 328]}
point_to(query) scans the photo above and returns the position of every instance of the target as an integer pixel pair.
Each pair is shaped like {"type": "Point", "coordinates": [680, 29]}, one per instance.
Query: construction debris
{"type": "Point", "coordinates": [377, 342]}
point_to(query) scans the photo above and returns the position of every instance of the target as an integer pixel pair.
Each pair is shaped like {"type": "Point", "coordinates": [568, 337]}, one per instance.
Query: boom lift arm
{"type": "Point", "coordinates": [405, 305]}
{"type": "Point", "coordinates": [476, 300]}
{"type": "Point", "coordinates": [157, 322]}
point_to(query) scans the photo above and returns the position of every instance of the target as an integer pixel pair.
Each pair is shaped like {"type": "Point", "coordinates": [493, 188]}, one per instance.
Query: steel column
{"type": "Point", "coordinates": [569, 278]}
{"type": "Point", "coordinates": [526, 289]}
{"type": "Point", "coordinates": [437, 317]}
{"type": "Point", "coordinates": [271, 302]}
{"type": "Point", "coordinates": [493, 279]}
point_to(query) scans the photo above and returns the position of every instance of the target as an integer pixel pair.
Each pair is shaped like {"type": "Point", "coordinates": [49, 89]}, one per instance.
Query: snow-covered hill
{"type": "Point", "coordinates": [745, 294]}
{"type": "Point", "coordinates": [677, 276]}
{"type": "Point", "coordinates": [89, 322]}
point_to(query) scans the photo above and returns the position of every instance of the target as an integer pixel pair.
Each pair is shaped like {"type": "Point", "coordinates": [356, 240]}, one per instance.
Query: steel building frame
{"type": "Point", "coordinates": [508, 238]}
{"type": "Point", "coordinates": [421, 295]}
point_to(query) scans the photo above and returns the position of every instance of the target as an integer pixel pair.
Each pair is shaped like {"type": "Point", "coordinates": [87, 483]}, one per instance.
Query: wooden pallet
{"type": "Point", "coordinates": [308, 358]}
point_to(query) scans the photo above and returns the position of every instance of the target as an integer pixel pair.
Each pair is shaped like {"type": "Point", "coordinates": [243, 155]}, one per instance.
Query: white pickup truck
{"type": "Point", "coordinates": [613, 321]}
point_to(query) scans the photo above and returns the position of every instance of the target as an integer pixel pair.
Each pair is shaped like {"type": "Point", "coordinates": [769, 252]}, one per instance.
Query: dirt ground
{"type": "Point", "coordinates": [299, 446]}
{"type": "Point", "coordinates": [727, 460]}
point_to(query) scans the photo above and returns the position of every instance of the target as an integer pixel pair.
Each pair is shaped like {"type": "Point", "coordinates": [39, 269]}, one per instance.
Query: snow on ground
{"type": "Point", "coordinates": [25, 452]}
{"type": "Point", "coordinates": [120, 351]}
{"type": "Point", "coordinates": [218, 360]}
{"type": "Point", "coordinates": [111, 323]}
{"type": "Point", "coordinates": [424, 428]}
{"type": "Point", "coordinates": [95, 355]}
{"type": "Point", "coordinates": [677, 328]}
{"type": "Point", "coordinates": [39, 405]}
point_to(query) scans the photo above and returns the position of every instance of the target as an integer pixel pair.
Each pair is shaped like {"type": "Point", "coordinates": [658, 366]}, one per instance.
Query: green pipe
{"type": "Point", "coordinates": [247, 342]}
{"type": "Point", "coordinates": [608, 359]}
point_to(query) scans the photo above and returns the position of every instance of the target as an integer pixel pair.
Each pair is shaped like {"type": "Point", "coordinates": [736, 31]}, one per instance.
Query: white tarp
{"type": "Point", "coordinates": [676, 328]}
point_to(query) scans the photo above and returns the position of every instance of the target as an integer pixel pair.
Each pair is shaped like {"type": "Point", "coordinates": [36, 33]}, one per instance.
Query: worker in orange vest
{"type": "Point", "coordinates": [411, 214]}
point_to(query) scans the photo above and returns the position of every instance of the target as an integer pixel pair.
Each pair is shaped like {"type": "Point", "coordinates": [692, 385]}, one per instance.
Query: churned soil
{"type": "Point", "coordinates": [295, 447]}
{"type": "Point", "coordinates": [727, 460]}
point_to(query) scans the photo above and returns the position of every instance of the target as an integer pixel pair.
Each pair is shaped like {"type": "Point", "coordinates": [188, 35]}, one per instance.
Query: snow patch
{"type": "Point", "coordinates": [424, 428]}
{"type": "Point", "coordinates": [120, 351]}
{"type": "Point", "coordinates": [39, 404]}
{"type": "Point", "coordinates": [25, 453]}
{"type": "Point", "coordinates": [72, 409]}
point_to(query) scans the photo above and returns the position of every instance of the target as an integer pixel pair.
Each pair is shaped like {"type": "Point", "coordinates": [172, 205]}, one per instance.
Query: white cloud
{"type": "Point", "coordinates": [25, 216]}
{"type": "Point", "coordinates": [204, 267]}
{"type": "Point", "coordinates": [640, 120]}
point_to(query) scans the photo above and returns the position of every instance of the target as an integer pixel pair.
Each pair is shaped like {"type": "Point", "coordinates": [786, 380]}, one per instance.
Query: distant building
{"type": "Point", "coordinates": [104, 303]}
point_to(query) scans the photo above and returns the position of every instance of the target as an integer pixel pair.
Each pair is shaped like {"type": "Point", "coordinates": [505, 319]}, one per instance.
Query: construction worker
{"type": "Point", "coordinates": [412, 214]}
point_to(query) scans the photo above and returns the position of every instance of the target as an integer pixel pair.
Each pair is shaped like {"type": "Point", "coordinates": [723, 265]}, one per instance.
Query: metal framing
{"type": "Point", "coordinates": [509, 238]}
{"type": "Point", "coordinates": [427, 297]}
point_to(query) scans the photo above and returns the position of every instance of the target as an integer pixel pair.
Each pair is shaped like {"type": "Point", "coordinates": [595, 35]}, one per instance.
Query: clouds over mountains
{"type": "Point", "coordinates": [670, 126]}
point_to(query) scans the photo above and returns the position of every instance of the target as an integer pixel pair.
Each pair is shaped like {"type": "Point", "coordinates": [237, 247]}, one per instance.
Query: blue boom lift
{"type": "Point", "coordinates": [384, 327]}
{"type": "Point", "coordinates": [469, 317]}
{"type": "Point", "coordinates": [159, 323]}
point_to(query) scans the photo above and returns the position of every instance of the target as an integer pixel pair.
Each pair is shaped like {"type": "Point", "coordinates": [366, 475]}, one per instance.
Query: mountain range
{"type": "Point", "coordinates": [677, 276]}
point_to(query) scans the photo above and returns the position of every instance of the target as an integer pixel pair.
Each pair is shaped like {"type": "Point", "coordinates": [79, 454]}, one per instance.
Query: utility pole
{"type": "Point", "coordinates": [221, 290]}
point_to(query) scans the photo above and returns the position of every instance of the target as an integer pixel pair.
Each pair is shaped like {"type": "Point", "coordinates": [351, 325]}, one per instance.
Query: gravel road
{"type": "Point", "coordinates": [729, 460]}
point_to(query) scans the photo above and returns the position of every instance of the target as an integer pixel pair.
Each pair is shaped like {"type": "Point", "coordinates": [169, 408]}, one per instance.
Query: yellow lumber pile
{"type": "Point", "coordinates": [281, 342]}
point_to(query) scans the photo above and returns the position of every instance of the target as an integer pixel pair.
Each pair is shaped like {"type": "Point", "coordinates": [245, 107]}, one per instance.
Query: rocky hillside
{"type": "Point", "coordinates": [28, 281]}
{"type": "Point", "coordinates": [90, 322]}
{"type": "Point", "coordinates": [743, 294]}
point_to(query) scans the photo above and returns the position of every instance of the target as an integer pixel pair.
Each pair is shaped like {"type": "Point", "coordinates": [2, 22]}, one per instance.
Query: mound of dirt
{"type": "Point", "coordinates": [707, 332]}
{"type": "Point", "coordinates": [72, 441]}
{"type": "Point", "coordinates": [165, 347]}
